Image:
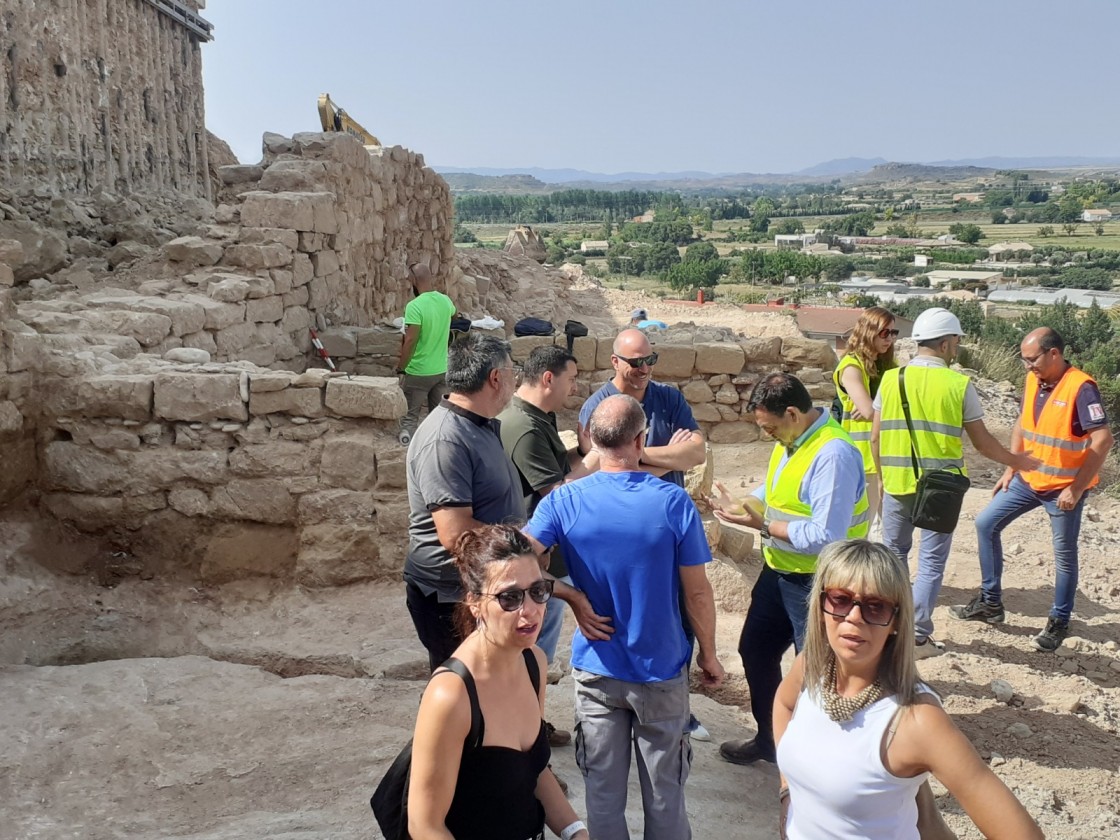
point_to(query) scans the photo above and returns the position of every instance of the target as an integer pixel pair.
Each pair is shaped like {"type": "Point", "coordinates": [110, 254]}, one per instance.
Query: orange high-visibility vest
{"type": "Point", "coordinates": [1051, 438]}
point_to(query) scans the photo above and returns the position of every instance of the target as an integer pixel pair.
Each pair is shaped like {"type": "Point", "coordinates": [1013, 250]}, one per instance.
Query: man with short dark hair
{"type": "Point", "coordinates": [1063, 422]}
{"type": "Point", "coordinates": [814, 495]}
{"type": "Point", "coordinates": [423, 359]}
{"type": "Point", "coordinates": [532, 441]}
{"type": "Point", "coordinates": [633, 543]}
{"type": "Point", "coordinates": [458, 478]}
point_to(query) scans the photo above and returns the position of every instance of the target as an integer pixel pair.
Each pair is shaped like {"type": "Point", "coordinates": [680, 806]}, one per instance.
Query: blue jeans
{"type": "Point", "coordinates": [1065, 525]}
{"type": "Point", "coordinates": [933, 554]}
{"type": "Point", "coordinates": [549, 636]}
{"type": "Point", "coordinates": [776, 619]}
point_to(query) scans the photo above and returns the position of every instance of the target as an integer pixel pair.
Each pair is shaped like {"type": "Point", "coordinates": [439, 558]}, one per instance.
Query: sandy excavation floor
{"type": "Point", "coordinates": [157, 710]}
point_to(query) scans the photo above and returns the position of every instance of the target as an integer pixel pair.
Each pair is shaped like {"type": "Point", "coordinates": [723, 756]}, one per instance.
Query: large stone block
{"type": "Point", "coordinates": [249, 550]}
{"type": "Point", "coordinates": [522, 346]}
{"type": "Point", "coordinates": [186, 316]}
{"type": "Point", "coordinates": [736, 541]}
{"type": "Point", "coordinates": [265, 310]}
{"type": "Point", "coordinates": [336, 505]}
{"type": "Point", "coordinates": [291, 210]}
{"type": "Point", "coordinates": [697, 392]}
{"type": "Point", "coordinates": [391, 470]}
{"type": "Point", "coordinates": [254, 499]}
{"type": "Point", "coordinates": [762, 351]}
{"type": "Point", "coordinates": [743, 431]}
{"type": "Point", "coordinates": [199, 397]}
{"type": "Point", "coordinates": [585, 349]}
{"type": "Point", "coordinates": [379, 397]}
{"type": "Point", "coordinates": [148, 328]}
{"type": "Point", "coordinates": [234, 340]}
{"type": "Point", "coordinates": [268, 236]}
{"type": "Point", "coordinates": [338, 553]}
{"type": "Point", "coordinates": [706, 412]}
{"type": "Point", "coordinates": [719, 358]}
{"type": "Point", "coordinates": [341, 343]}
{"type": "Point", "coordinates": [299, 402]}
{"type": "Point", "coordinates": [193, 250]}
{"type": "Point", "coordinates": [274, 459]}
{"type": "Point", "coordinates": [378, 342]}
{"type": "Point", "coordinates": [675, 361]}
{"type": "Point", "coordinates": [160, 468]}
{"type": "Point", "coordinates": [349, 462]}
{"type": "Point", "coordinates": [603, 351]}
{"type": "Point", "coordinates": [228, 288]}
{"type": "Point", "coordinates": [257, 256]}
{"type": "Point", "coordinates": [800, 352]}
{"type": "Point", "coordinates": [87, 513]}
{"type": "Point", "coordinates": [218, 315]}
{"type": "Point", "coordinates": [296, 175]}
{"type": "Point", "coordinates": [128, 397]}
{"type": "Point", "coordinates": [698, 480]}
{"type": "Point", "coordinates": [82, 469]}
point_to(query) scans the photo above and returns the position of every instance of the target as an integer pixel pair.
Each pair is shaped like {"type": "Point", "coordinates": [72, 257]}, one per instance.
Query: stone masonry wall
{"type": "Point", "coordinates": [100, 94]}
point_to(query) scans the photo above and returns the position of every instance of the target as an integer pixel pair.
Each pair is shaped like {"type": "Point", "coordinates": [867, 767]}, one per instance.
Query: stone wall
{"type": "Point", "coordinates": [100, 94]}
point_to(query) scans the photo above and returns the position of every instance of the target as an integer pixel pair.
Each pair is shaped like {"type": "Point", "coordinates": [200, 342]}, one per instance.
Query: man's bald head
{"type": "Point", "coordinates": [631, 344]}
{"type": "Point", "coordinates": [421, 276]}
{"type": "Point", "coordinates": [1043, 340]}
{"type": "Point", "coordinates": [615, 422]}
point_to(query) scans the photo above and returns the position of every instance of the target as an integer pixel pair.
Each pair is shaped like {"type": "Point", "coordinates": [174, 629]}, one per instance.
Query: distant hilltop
{"type": "Point", "coordinates": [537, 179]}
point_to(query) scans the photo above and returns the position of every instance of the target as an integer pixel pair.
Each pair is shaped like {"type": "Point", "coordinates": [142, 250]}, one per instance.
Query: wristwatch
{"type": "Point", "coordinates": [765, 529]}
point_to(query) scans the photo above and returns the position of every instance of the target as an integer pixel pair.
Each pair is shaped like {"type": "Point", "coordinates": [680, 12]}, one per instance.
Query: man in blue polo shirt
{"type": "Point", "coordinates": [634, 544]}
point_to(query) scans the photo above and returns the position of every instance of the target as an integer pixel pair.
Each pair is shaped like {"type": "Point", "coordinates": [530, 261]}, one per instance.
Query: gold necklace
{"type": "Point", "coordinates": [839, 708]}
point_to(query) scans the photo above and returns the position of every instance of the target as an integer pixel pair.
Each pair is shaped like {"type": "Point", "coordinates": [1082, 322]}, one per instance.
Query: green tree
{"type": "Point", "coordinates": [695, 274]}
{"type": "Point", "coordinates": [1099, 229]}
{"type": "Point", "coordinates": [1071, 228]}
{"type": "Point", "coordinates": [1046, 230]}
{"type": "Point", "coordinates": [1095, 327]}
{"type": "Point", "coordinates": [700, 251]}
{"type": "Point", "coordinates": [921, 282]}
{"type": "Point", "coordinates": [788, 227]}
{"type": "Point", "coordinates": [967, 233]}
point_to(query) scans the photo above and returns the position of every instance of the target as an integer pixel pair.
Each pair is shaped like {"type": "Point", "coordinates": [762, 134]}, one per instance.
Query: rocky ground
{"type": "Point", "coordinates": [155, 709]}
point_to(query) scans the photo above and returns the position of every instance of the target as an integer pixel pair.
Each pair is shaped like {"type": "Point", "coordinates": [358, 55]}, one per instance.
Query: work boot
{"type": "Point", "coordinates": [746, 752]}
{"type": "Point", "coordinates": [978, 610]}
{"type": "Point", "coordinates": [928, 647]}
{"type": "Point", "coordinates": [1051, 638]}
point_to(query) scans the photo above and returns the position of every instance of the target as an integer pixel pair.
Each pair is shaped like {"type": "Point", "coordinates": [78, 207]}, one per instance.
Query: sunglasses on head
{"type": "Point", "coordinates": [650, 360]}
{"type": "Point", "coordinates": [511, 600]}
{"type": "Point", "coordinates": [888, 333]}
{"type": "Point", "coordinates": [840, 603]}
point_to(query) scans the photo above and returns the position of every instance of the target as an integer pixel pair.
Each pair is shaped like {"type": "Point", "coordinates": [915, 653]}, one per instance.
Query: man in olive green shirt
{"type": "Point", "coordinates": [423, 360]}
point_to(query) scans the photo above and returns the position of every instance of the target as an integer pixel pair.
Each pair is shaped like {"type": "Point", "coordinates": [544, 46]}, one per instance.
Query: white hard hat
{"type": "Point", "coordinates": [936, 323]}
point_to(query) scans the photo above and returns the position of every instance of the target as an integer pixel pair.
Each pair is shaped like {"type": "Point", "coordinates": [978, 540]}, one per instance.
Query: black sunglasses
{"type": "Point", "coordinates": [511, 600]}
{"type": "Point", "coordinates": [650, 360]}
{"type": "Point", "coordinates": [840, 603]}
{"type": "Point", "coordinates": [888, 333]}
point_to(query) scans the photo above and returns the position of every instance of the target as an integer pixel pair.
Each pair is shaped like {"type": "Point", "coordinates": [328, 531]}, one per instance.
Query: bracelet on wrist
{"type": "Point", "coordinates": [783, 793]}
{"type": "Point", "coordinates": [572, 830]}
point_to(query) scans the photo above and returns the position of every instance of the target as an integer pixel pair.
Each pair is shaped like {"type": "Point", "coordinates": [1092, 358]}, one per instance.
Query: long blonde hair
{"type": "Point", "coordinates": [862, 342]}
{"type": "Point", "coordinates": [872, 568]}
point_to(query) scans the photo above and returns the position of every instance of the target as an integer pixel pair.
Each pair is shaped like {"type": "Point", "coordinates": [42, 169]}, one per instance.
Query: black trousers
{"type": "Point", "coordinates": [434, 621]}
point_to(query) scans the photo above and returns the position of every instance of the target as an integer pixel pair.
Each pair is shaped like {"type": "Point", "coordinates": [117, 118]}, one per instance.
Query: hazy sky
{"type": "Point", "coordinates": [653, 85]}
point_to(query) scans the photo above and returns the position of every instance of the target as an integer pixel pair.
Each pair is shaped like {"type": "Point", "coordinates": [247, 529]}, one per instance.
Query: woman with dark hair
{"type": "Point", "coordinates": [870, 354]}
{"type": "Point", "coordinates": [858, 732]}
{"type": "Point", "coordinates": [490, 782]}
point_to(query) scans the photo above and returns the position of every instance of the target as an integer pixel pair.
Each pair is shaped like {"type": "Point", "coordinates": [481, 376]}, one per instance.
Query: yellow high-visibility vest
{"type": "Point", "coordinates": [936, 397]}
{"type": "Point", "coordinates": [858, 430]}
{"type": "Point", "coordinates": [783, 501]}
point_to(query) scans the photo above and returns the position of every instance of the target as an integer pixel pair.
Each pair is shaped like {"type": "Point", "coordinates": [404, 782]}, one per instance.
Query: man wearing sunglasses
{"type": "Point", "coordinates": [458, 478]}
{"type": "Point", "coordinates": [632, 542]}
{"type": "Point", "coordinates": [1062, 421]}
{"type": "Point", "coordinates": [674, 442]}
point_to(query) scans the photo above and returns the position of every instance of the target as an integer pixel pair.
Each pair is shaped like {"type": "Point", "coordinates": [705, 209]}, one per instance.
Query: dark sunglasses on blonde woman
{"type": "Point", "coordinates": [839, 603]}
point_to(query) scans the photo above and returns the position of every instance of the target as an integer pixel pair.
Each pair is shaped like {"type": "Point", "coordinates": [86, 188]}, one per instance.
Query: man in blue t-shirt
{"type": "Point", "coordinates": [633, 543]}
{"type": "Point", "coordinates": [674, 443]}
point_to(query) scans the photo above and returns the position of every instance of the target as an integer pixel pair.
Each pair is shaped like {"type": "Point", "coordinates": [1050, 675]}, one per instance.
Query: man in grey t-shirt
{"type": "Point", "coordinates": [459, 478]}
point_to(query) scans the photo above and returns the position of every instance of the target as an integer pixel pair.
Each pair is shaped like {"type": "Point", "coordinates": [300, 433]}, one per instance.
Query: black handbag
{"type": "Point", "coordinates": [390, 801]}
{"type": "Point", "coordinates": [574, 330]}
{"type": "Point", "coordinates": [940, 493]}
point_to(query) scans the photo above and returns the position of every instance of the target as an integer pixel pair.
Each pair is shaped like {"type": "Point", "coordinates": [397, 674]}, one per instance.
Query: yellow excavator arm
{"type": "Point", "coordinates": [334, 118]}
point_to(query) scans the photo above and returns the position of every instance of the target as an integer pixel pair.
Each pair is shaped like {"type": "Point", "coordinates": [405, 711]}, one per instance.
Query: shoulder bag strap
{"type": "Point", "coordinates": [478, 726]}
{"type": "Point", "coordinates": [909, 422]}
{"type": "Point", "coordinates": [533, 668]}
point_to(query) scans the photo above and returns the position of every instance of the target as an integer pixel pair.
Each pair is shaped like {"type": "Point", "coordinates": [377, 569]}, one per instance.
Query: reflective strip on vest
{"type": "Point", "coordinates": [858, 430]}
{"type": "Point", "coordinates": [1050, 438]}
{"type": "Point", "coordinates": [783, 501]}
{"type": "Point", "coordinates": [936, 396]}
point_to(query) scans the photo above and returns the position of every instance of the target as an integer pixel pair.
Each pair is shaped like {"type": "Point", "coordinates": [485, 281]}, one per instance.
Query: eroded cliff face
{"type": "Point", "coordinates": [100, 94]}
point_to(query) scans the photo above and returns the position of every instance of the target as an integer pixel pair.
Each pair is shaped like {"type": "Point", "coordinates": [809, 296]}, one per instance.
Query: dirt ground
{"type": "Point", "coordinates": [156, 710]}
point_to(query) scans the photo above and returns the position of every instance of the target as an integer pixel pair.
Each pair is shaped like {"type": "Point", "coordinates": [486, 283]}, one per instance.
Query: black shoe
{"type": "Point", "coordinates": [557, 737]}
{"type": "Point", "coordinates": [1051, 638]}
{"type": "Point", "coordinates": [978, 610]}
{"type": "Point", "coordinates": [746, 752]}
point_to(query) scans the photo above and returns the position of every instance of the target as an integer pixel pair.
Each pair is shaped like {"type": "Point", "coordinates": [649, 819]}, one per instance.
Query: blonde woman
{"type": "Point", "coordinates": [870, 354]}
{"type": "Point", "coordinates": [858, 732]}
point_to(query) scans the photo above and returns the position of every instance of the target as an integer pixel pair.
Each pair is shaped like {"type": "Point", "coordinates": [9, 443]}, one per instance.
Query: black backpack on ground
{"type": "Point", "coordinates": [574, 330]}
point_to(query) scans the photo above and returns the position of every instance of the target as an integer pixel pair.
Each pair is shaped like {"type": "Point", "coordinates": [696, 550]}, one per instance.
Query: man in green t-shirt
{"type": "Point", "coordinates": [423, 361]}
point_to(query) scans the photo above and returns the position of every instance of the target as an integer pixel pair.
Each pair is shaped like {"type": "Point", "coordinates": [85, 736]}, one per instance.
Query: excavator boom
{"type": "Point", "coordinates": [334, 118]}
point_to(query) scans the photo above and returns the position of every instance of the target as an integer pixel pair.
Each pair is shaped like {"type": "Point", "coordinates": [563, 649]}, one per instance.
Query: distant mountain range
{"type": "Point", "coordinates": [839, 167]}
